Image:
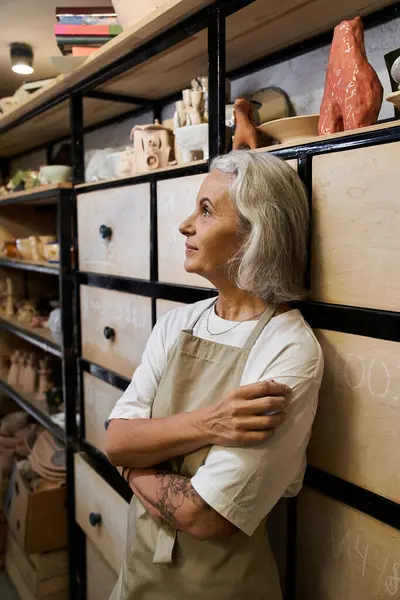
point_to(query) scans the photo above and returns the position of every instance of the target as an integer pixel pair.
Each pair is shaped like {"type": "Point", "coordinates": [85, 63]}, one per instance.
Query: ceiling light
{"type": "Point", "coordinates": [21, 58]}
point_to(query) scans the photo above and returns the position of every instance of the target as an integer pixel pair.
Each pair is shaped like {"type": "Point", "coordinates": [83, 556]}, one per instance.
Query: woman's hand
{"type": "Point", "coordinates": [239, 418]}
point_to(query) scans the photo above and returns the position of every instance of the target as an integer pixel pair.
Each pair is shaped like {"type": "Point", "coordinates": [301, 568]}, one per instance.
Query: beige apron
{"type": "Point", "coordinates": [162, 564]}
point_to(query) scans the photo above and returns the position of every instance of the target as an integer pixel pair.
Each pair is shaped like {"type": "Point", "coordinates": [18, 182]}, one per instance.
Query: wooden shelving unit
{"type": "Point", "coordinates": [38, 336]}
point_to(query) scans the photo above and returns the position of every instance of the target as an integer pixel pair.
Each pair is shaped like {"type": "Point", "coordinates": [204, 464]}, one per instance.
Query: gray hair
{"type": "Point", "coordinates": [272, 206]}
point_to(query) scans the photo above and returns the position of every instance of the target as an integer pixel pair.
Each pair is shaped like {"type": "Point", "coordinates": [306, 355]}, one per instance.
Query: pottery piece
{"type": "Point", "coordinates": [126, 162]}
{"type": "Point", "coordinates": [353, 93]}
{"type": "Point", "coordinates": [28, 383]}
{"type": "Point", "coordinates": [51, 252]}
{"type": "Point", "coordinates": [45, 384]}
{"type": "Point", "coordinates": [13, 373]}
{"type": "Point", "coordinates": [26, 311]}
{"type": "Point", "coordinates": [9, 298]}
{"type": "Point", "coordinates": [247, 135]}
{"type": "Point", "coordinates": [24, 249]}
{"type": "Point", "coordinates": [9, 249]}
{"type": "Point", "coordinates": [394, 98]}
{"type": "Point", "coordinates": [292, 130]}
{"type": "Point", "coordinates": [272, 104]}
{"type": "Point", "coordinates": [191, 139]}
{"type": "Point", "coordinates": [49, 174]}
{"type": "Point", "coordinates": [395, 71]}
{"type": "Point", "coordinates": [153, 145]}
{"type": "Point", "coordinates": [8, 104]}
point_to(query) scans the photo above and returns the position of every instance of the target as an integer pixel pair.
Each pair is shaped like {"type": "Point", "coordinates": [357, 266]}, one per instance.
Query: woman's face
{"type": "Point", "coordinates": [211, 231]}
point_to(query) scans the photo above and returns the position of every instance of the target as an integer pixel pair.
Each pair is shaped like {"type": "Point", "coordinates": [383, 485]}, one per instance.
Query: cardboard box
{"type": "Point", "coordinates": [38, 519]}
{"type": "Point", "coordinates": [22, 589]}
{"type": "Point", "coordinates": [34, 580]}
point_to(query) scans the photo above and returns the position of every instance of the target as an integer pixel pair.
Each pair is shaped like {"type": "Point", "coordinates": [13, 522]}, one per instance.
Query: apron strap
{"type": "Point", "coordinates": [261, 324]}
{"type": "Point", "coordinates": [197, 319]}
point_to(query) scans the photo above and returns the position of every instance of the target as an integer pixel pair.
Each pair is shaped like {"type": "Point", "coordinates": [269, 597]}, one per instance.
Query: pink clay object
{"type": "Point", "coordinates": [353, 93]}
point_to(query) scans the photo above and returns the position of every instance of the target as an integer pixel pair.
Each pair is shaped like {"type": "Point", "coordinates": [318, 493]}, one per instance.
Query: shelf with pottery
{"type": "Point", "coordinates": [253, 32]}
{"type": "Point", "coordinates": [43, 194]}
{"type": "Point", "coordinates": [42, 337]}
{"type": "Point", "coordinates": [34, 407]}
{"type": "Point", "coordinates": [30, 265]}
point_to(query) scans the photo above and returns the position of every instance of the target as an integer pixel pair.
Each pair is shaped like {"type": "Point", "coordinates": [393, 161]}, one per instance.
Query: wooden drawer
{"type": "Point", "coordinates": [100, 577]}
{"type": "Point", "coordinates": [176, 200]}
{"type": "Point", "coordinates": [126, 210]}
{"type": "Point", "coordinates": [343, 554]}
{"type": "Point", "coordinates": [356, 222]}
{"type": "Point", "coordinates": [99, 400]}
{"type": "Point", "coordinates": [129, 316]}
{"type": "Point", "coordinates": [165, 306]}
{"type": "Point", "coordinates": [357, 427]}
{"type": "Point", "coordinates": [93, 496]}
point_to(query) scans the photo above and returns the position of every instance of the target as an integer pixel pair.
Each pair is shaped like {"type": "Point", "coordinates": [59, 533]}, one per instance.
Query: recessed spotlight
{"type": "Point", "coordinates": [21, 58]}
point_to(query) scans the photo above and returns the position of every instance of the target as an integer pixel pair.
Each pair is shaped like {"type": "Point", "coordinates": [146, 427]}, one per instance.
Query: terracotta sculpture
{"type": "Point", "coordinates": [23, 363]}
{"type": "Point", "coordinates": [28, 383]}
{"type": "Point", "coordinates": [353, 93]}
{"type": "Point", "coordinates": [153, 145]}
{"type": "Point", "coordinates": [246, 133]}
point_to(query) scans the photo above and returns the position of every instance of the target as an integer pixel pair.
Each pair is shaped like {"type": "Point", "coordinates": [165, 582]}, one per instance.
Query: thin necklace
{"type": "Point", "coordinates": [230, 328]}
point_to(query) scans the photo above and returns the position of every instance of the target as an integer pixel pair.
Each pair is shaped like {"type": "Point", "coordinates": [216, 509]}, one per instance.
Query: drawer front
{"type": "Point", "coordinates": [343, 554]}
{"type": "Point", "coordinates": [99, 400]}
{"type": "Point", "coordinates": [126, 211]}
{"type": "Point", "coordinates": [128, 319]}
{"type": "Point", "coordinates": [93, 496]}
{"type": "Point", "coordinates": [357, 427]}
{"type": "Point", "coordinates": [356, 222]}
{"type": "Point", "coordinates": [176, 200]}
{"type": "Point", "coordinates": [165, 306]}
{"type": "Point", "coordinates": [100, 577]}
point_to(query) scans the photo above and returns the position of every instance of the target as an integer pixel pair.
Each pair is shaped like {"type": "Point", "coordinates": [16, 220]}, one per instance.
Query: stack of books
{"type": "Point", "coordinates": [80, 31]}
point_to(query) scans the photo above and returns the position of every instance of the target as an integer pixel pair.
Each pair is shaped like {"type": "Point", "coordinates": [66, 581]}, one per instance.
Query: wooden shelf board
{"type": "Point", "coordinates": [99, 184]}
{"type": "Point", "coordinates": [332, 136]}
{"type": "Point", "coordinates": [35, 408]}
{"type": "Point", "coordinates": [35, 195]}
{"type": "Point", "coordinates": [256, 31]}
{"type": "Point", "coordinates": [39, 336]}
{"type": "Point", "coordinates": [30, 265]}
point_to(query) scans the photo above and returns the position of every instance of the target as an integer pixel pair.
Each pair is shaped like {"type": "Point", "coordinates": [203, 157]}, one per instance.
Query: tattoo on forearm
{"type": "Point", "coordinates": [172, 490]}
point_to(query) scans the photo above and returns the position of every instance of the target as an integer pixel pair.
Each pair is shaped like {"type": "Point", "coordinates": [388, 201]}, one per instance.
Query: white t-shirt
{"type": "Point", "coordinates": [243, 484]}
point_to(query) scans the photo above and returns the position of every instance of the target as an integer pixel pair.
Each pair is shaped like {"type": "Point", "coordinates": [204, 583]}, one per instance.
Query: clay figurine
{"type": "Point", "coordinates": [26, 311]}
{"type": "Point", "coordinates": [353, 93]}
{"type": "Point", "coordinates": [13, 373]}
{"type": "Point", "coordinates": [23, 363]}
{"type": "Point", "coordinates": [45, 383]}
{"type": "Point", "coordinates": [30, 375]}
{"type": "Point", "coordinates": [9, 298]}
{"type": "Point", "coordinates": [153, 145]}
{"type": "Point", "coordinates": [247, 135]}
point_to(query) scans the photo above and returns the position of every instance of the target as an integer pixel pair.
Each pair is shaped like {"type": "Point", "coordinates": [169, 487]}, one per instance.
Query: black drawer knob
{"type": "Point", "coordinates": [105, 232]}
{"type": "Point", "coordinates": [94, 519]}
{"type": "Point", "coordinates": [109, 333]}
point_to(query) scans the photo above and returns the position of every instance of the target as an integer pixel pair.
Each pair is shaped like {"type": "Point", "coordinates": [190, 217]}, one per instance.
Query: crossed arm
{"type": "Point", "coordinates": [171, 499]}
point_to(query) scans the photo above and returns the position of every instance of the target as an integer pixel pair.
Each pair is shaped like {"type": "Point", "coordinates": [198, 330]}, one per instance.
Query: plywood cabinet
{"type": "Point", "coordinates": [356, 434]}
{"type": "Point", "coordinates": [176, 200]}
{"type": "Point", "coordinates": [356, 223]}
{"type": "Point", "coordinates": [99, 400]}
{"type": "Point", "coordinates": [115, 328]}
{"type": "Point", "coordinates": [100, 512]}
{"type": "Point", "coordinates": [343, 554]}
{"type": "Point", "coordinates": [114, 231]}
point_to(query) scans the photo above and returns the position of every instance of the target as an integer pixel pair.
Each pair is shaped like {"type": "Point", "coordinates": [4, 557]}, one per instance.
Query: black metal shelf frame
{"type": "Point", "coordinates": [356, 320]}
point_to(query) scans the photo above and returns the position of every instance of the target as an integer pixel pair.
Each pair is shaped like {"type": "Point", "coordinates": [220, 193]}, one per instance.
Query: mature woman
{"type": "Point", "coordinates": [213, 428]}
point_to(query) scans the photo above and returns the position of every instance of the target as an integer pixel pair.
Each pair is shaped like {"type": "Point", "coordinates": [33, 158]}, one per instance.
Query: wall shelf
{"type": "Point", "coordinates": [38, 336]}
{"type": "Point", "coordinates": [44, 194]}
{"type": "Point", "coordinates": [35, 408]}
{"type": "Point", "coordinates": [26, 265]}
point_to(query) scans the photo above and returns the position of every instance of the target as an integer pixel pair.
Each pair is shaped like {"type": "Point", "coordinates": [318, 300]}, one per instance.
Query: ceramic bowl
{"type": "Point", "coordinates": [52, 252]}
{"type": "Point", "coordinates": [55, 174]}
{"type": "Point", "coordinates": [394, 98]}
{"type": "Point", "coordinates": [37, 243]}
{"type": "Point", "coordinates": [292, 130]}
{"type": "Point", "coordinates": [24, 248]}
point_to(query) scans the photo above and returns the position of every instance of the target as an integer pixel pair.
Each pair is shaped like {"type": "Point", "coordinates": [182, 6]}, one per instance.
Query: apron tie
{"type": "Point", "coordinates": [164, 546]}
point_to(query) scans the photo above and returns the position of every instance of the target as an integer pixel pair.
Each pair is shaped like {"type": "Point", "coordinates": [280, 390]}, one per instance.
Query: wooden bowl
{"type": "Point", "coordinates": [292, 130]}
